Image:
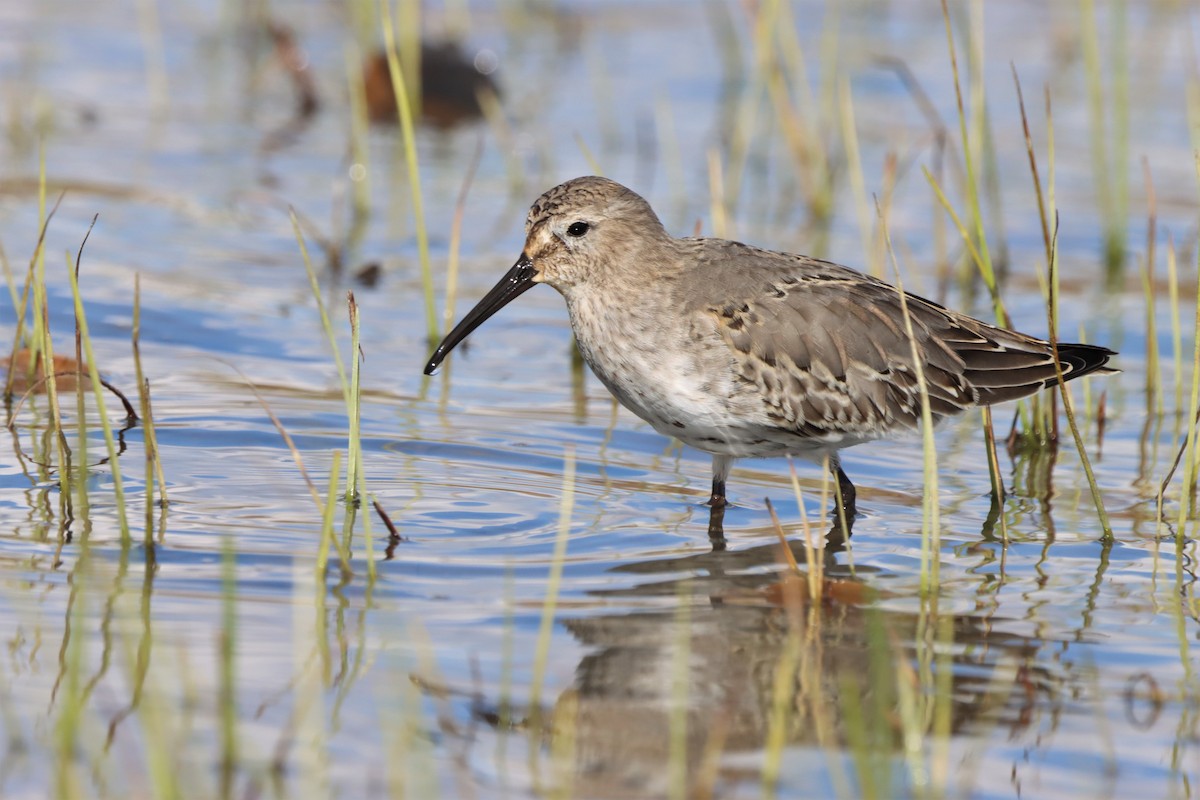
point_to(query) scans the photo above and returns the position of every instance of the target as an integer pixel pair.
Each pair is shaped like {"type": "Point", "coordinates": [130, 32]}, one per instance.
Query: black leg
{"type": "Point", "coordinates": [718, 493]}
{"type": "Point", "coordinates": [843, 514]}
{"type": "Point", "coordinates": [717, 502]}
{"type": "Point", "coordinates": [846, 493]}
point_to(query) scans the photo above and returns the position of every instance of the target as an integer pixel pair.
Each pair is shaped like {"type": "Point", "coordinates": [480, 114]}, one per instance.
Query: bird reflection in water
{"type": "Point", "coordinates": [752, 658]}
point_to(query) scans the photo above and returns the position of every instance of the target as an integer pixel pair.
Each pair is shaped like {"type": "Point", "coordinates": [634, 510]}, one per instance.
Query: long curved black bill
{"type": "Point", "coordinates": [515, 282]}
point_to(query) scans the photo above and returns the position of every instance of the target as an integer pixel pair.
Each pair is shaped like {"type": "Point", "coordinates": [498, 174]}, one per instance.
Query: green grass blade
{"type": "Point", "coordinates": [405, 106]}
{"type": "Point", "coordinates": [98, 395]}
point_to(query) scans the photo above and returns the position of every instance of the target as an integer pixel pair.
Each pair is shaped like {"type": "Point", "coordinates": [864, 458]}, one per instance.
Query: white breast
{"type": "Point", "coordinates": [683, 386]}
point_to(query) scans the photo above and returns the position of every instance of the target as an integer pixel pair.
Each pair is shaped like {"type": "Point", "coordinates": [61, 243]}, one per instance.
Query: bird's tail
{"type": "Point", "coordinates": [1083, 359]}
{"type": "Point", "coordinates": [997, 378]}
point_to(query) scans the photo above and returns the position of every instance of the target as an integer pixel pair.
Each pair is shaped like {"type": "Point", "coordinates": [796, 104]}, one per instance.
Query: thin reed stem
{"type": "Point", "coordinates": [931, 530]}
{"type": "Point", "coordinates": [98, 395]}
{"type": "Point", "coordinates": [1064, 392]}
{"type": "Point", "coordinates": [452, 258]}
{"type": "Point", "coordinates": [326, 325]}
{"type": "Point", "coordinates": [354, 458]}
{"type": "Point", "coordinates": [405, 106]}
{"type": "Point", "coordinates": [553, 582]}
{"type": "Point", "coordinates": [981, 254]}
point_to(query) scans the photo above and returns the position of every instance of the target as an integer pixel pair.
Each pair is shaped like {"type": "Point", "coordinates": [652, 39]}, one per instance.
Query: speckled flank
{"type": "Point", "coordinates": [739, 351]}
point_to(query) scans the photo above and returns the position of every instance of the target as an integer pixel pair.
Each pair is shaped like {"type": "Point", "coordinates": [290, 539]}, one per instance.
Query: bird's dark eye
{"type": "Point", "coordinates": [578, 229]}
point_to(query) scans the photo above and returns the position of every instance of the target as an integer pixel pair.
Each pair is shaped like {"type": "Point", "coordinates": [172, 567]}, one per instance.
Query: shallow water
{"type": "Point", "coordinates": [1054, 665]}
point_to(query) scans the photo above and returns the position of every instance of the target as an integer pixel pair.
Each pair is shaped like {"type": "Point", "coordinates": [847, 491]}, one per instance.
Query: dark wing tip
{"type": "Point", "coordinates": [1083, 359]}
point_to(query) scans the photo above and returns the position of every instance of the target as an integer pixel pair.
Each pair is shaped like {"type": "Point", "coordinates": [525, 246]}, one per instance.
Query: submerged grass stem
{"type": "Point", "coordinates": [98, 395]}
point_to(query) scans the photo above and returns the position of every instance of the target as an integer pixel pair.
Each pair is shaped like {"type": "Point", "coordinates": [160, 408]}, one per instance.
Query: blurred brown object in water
{"type": "Point", "coordinates": [369, 274]}
{"type": "Point", "coordinates": [450, 86]}
{"type": "Point", "coordinates": [66, 370]}
{"type": "Point", "coordinates": [294, 61]}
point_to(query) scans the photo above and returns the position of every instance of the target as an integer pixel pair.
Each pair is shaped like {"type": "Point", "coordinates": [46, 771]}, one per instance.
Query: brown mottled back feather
{"type": "Point", "coordinates": [827, 346]}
